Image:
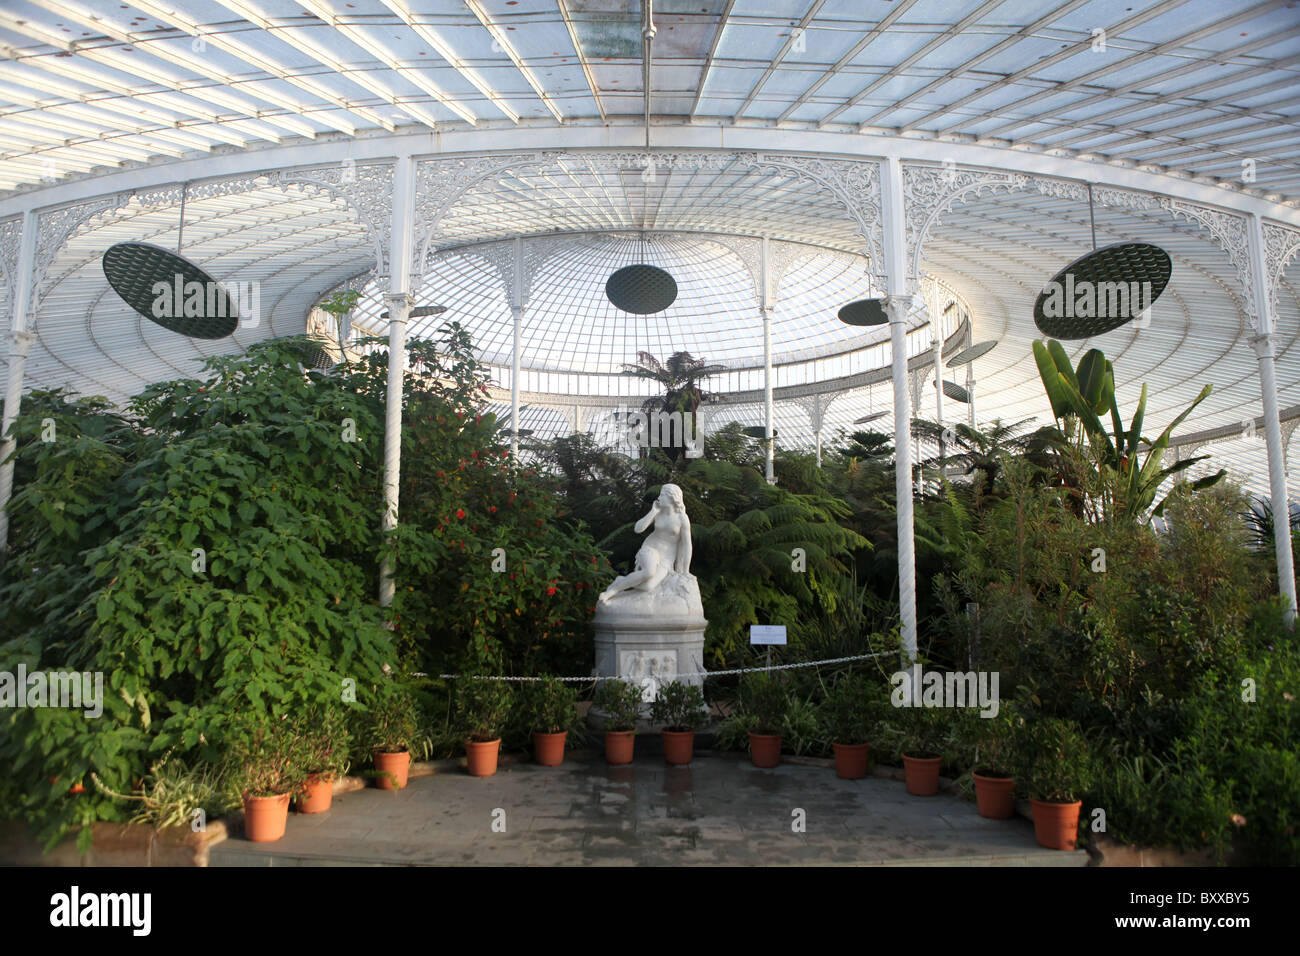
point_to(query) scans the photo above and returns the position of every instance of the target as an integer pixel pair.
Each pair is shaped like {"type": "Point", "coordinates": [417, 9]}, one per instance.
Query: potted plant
{"type": "Point", "coordinates": [264, 769]}
{"type": "Point", "coordinates": [921, 752]}
{"type": "Point", "coordinates": [846, 719]}
{"type": "Point", "coordinates": [995, 786]}
{"type": "Point", "coordinates": [391, 725]}
{"type": "Point", "coordinates": [762, 708]}
{"type": "Point", "coordinates": [482, 709]}
{"type": "Point", "coordinates": [679, 709]}
{"type": "Point", "coordinates": [621, 703]}
{"type": "Point", "coordinates": [551, 709]}
{"type": "Point", "coordinates": [325, 740]}
{"type": "Point", "coordinates": [1057, 768]}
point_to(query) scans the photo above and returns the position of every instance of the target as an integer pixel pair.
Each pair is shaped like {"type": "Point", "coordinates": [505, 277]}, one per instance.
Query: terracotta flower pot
{"type": "Point", "coordinates": [1056, 825]}
{"type": "Point", "coordinates": [922, 775]}
{"type": "Point", "coordinates": [317, 795]}
{"type": "Point", "coordinates": [392, 769]}
{"type": "Point", "coordinates": [679, 747]}
{"type": "Point", "coordinates": [482, 756]}
{"type": "Point", "coordinates": [265, 817]}
{"type": "Point", "coordinates": [764, 749]}
{"type": "Point", "coordinates": [548, 749]}
{"type": "Point", "coordinates": [995, 797]}
{"type": "Point", "coordinates": [620, 746]}
{"type": "Point", "coordinates": [850, 761]}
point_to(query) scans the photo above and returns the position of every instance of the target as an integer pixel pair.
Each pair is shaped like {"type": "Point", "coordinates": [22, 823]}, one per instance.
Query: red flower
{"type": "Point", "coordinates": [492, 509]}
{"type": "Point", "coordinates": [550, 590]}
{"type": "Point", "coordinates": [460, 512]}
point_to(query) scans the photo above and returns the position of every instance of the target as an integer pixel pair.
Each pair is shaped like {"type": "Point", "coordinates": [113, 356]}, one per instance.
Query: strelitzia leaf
{"type": "Point", "coordinates": [1092, 378]}
{"type": "Point", "coordinates": [1051, 378]}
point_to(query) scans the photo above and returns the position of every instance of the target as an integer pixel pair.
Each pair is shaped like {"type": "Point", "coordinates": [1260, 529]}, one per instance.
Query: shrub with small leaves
{"type": "Point", "coordinates": [482, 707]}
{"type": "Point", "coordinates": [263, 756]}
{"type": "Point", "coordinates": [621, 702]}
{"type": "Point", "coordinates": [1053, 760]}
{"type": "Point", "coordinates": [392, 720]}
{"type": "Point", "coordinates": [846, 713]}
{"type": "Point", "coordinates": [550, 706]}
{"type": "Point", "coordinates": [678, 707]}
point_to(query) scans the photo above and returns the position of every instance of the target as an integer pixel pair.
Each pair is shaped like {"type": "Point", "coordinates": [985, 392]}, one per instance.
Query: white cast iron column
{"type": "Point", "coordinates": [767, 394]}
{"type": "Point", "coordinates": [897, 303]}
{"type": "Point", "coordinates": [517, 314]}
{"type": "Point", "coordinates": [766, 296]}
{"type": "Point", "coordinates": [20, 343]}
{"type": "Point", "coordinates": [970, 393]}
{"type": "Point", "coordinates": [399, 302]}
{"type": "Point", "coordinates": [936, 333]}
{"type": "Point", "coordinates": [1263, 343]}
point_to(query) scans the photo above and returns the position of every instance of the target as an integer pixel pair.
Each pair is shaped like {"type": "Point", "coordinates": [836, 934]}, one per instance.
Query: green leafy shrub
{"type": "Point", "coordinates": [325, 739]}
{"type": "Point", "coordinates": [550, 706]}
{"type": "Point", "coordinates": [678, 707]}
{"type": "Point", "coordinates": [1053, 760]}
{"type": "Point", "coordinates": [210, 552]}
{"type": "Point", "coordinates": [847, 712]}
{"type": "Point", "coordinates": [483, 707]}
{"type": "Point", "coordinates": [621, 701]}
{"type": "Point", "coordinates": [992, 740]}
{"type": "Point", "coordinates": [763, 703]}
{"type": "Point", "coordinates": [1231, 779]}
{"type": "Point", "coordinates": [392, 720]}
{"type": "Point", "coordinates": [263, 756]}
{"type": "Point", "coordinates": [489, 560]}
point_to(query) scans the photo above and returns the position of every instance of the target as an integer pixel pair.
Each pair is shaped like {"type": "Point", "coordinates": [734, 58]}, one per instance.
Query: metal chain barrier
{"type": "Point", "coordinates": [702, 674]}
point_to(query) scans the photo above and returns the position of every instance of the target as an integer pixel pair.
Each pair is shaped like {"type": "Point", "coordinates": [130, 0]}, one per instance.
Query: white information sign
{"type": "Point", "coordinates": [767, 634]}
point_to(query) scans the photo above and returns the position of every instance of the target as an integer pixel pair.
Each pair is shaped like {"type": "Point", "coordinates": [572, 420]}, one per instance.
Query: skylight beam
{"type": "Point", "coordinates": [1091, 76]}
{"type": "Point", "coordinates": [267, 65]}
{"type": "Point", "coordinates": [112, 153]}
{"type": "Point", "coordinates": [445, 50]}
{"type": "Point", "coordinates": [508, 48]}
{"type": "Point", "coordinates": [563, 6]}
{"type": "Point", "coordinates": [361, 38]}
{"type": "Point", "coordinates": [970, 64]}
{"type": "Point", "coordinates": [157, 49]}
{"type": "Point", "coordinates": [919, 55]}
{"type": "Point", "coordinates": [807, 18]}
{"type": "Point", "coordinates": [846, 59]}
{"type": "Point", "coordinates": [710, 58]}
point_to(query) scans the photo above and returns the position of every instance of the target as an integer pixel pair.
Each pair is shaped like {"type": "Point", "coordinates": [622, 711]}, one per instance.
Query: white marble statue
{"type": "Point", "coordinates": [649, 624]}
{"type": "Point", "coordinates": [667, 551]}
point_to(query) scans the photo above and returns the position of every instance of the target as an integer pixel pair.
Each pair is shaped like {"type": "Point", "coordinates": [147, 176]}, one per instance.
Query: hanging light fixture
{"type": "Point", "coordinates": [641, 289]}
{"type": "Point", "coordinates": [864, 312]}
{"type": "Point", "coordinates": [971, 353]}
{"type": "Point", "coordinates": [420, 311]}
{"type": "Point", "coordinates": [1132, 274]}
{"type": "Point", "coordinates": [169, 290]}
{"type": "Point", "coordinates": [955, 392]}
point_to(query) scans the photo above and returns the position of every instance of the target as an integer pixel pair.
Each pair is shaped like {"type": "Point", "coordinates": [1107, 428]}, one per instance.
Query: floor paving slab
{"type": "Point", "coordinates": [719, 811]}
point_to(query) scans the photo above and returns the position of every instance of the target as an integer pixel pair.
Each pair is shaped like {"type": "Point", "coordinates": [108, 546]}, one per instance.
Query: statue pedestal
{"type": "Point", "coordinates": [653, 638]}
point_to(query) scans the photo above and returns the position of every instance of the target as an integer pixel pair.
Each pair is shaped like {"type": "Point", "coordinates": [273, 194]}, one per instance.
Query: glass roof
{"type": "Point", "coordinates": [1189, 86]}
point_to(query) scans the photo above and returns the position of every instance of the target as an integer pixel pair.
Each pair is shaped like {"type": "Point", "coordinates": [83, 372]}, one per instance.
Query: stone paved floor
{"type": "Point", "coordinates": [719, 811]}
